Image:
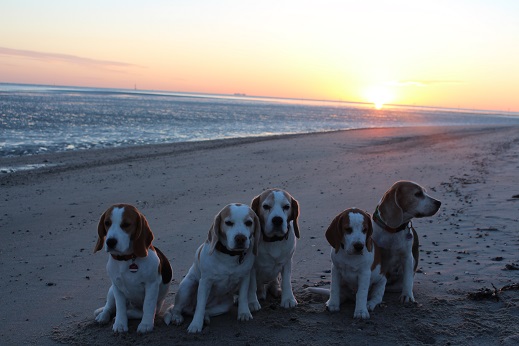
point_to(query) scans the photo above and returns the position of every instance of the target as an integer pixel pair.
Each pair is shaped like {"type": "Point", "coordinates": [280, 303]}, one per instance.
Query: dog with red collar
{"type": "Point", "coordinates": [140, 273]}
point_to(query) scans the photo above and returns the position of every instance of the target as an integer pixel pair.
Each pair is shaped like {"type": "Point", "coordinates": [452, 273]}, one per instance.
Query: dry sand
{"type": "Point", "coordinates": [52, 282]}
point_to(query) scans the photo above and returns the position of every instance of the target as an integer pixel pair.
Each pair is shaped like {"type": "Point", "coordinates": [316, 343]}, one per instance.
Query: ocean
{"type": "Point", "coordinates": [38, 119]}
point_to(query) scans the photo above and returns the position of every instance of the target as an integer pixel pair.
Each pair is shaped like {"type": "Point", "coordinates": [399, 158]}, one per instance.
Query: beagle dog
{"type": "Point", "coordinates": [395, 235]}
{"type": "Point", "coordinates": [221, 268]}
{"type": "Point", "coordinates": [356, 268]}
{"type": "Point", "coordinates": [278, 213]}
{"type": "Point", "coordinates": [140, 272]}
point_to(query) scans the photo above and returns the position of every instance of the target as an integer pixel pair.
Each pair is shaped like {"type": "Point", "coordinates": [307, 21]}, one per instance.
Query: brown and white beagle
{"type": "Point", "coordinates": [221, 268]}
{"type": "Point", "coordinates": [356, 268]}
{"type": "Point", "coordinates": [394, 234]}
{"type": "Point", "coordinates": [278, 213]}
{"type": "Point", "coordinates": [140, 272]}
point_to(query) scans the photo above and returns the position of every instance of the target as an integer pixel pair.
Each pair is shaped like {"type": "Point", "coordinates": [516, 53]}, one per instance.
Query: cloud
{"type": "Point", "coordinates": [72, 59]}
{"type": "Point", "coordinates": [422, 83]}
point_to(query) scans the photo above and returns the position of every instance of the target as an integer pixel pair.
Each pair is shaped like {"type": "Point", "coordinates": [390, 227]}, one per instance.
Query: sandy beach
{"type": "Point", "coordinates": [52, 281]}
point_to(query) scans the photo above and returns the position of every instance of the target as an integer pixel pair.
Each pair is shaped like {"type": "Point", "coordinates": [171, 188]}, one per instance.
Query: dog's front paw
{"type": "Point", "coordinates": [361, 313]}
{"type": "Point", "coordinates": [333, 306]}
{"type": "Point", "coordinates": [254, 306]}
{"type": "Point", "coordinates": [171, 315]}
{"type": "Point", "coordinates": [120, 327]}
{"type": "Point", "coordinates": [195, 327]}
{"type": "Point", "coordinates": [244, 316]}
{"type": "Point", "coordinates": [289, 302]}
{"type": "Point", "coordinates": [102, 316]}
{"type": "Point", "coordinates": [144, 327]}
{"type": "Point", "coordinates": [407, 298]}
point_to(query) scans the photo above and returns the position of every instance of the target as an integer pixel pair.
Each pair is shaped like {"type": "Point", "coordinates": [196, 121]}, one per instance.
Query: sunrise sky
{"type": "Point", "coordinates": [450, 53]}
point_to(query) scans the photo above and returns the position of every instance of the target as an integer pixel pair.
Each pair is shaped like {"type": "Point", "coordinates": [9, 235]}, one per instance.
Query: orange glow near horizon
{"type": "Point", "coordinates": [374, 51]}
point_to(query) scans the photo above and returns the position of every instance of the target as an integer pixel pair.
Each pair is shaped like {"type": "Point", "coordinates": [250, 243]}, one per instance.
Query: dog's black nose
{"type": "Point", "coordinates": [277, 220]}
{"type": "Point", "coordinates": [240, 240]}
{"type": "Point", "coordinates": [111, 242]}
{"type": "Point", "coordinates": [358, 247]}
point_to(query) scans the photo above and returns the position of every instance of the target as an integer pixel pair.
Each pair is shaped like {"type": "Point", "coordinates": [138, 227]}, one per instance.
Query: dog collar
{"type": "Point", "coordinates": [378, 220]}
{"type": "Point", "coordinates": [124, 257]}
{"type": "Point", "coordinates": [221, 248]}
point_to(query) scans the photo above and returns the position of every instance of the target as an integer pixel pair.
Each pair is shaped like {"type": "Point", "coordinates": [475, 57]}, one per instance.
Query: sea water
{"type": "Point", "coordinates": [36, 119]}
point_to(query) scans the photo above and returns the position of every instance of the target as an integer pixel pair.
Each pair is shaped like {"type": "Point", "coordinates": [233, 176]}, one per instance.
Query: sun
{"type": "Point", "coordinates": [378, 104]}
{"type": "Point", "coordinates": [379, 96]}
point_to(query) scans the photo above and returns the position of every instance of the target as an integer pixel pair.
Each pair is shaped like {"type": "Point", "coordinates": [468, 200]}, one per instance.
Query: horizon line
{"type": "Point", "coordinates": [135, 90]}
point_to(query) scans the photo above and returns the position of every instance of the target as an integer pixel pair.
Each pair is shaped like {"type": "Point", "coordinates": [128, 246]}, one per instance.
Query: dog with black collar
{"type": "Point", "coordinates": [394, 233]}
{"type": "Point", "coordinates": [221, 268]}
{"type": "Point", "coordinates": [278, 213]}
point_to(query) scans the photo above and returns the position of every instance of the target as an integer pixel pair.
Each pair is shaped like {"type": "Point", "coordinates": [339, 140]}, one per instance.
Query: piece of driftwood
{"type": "Point", "coordinates": [491, 294]}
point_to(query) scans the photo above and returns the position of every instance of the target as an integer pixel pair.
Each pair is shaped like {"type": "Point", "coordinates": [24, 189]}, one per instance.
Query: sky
{"type": "Point", "coordinates": [441, 53]}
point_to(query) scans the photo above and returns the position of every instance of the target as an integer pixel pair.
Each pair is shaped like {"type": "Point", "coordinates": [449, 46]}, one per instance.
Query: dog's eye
{"type": "Point", "coordinates": [364, 230]}
{"type": "Point", "coordinates": [107, 223]}
{"type": "Point", "coordinates": [419, 194]}
{"type": "Point", "coordinates": [286, 207]}
{"type": "Point", "coordinates": [248, 223]}
{"type": "Point", "coordinates": [125, 225]}
{"type": "Point", "coordinates": [266, 206]}
{"type": "Point", "coordinates": [348, 230]}
{"type": "Point", "coordinates": [229, 223]}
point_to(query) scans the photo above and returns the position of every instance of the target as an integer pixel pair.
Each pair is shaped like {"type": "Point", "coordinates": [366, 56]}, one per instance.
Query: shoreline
{"type": "Point", "coordinates": [55, 282]}
{"type": "Point", "coordinates": [77, 159]}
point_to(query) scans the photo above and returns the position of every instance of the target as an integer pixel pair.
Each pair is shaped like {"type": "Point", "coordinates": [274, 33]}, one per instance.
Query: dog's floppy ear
{"type": "Point", "coordinates": [295, 216]}
{"type": "Point", "coordinates": [369, 233]}
{"type": "Point", "coordinates": [389, 209]}
{"type": "Point", "coordinates": [334, 233]}
{"type": "Point", "coordinates": [212, 237]}
{"type": "Point", "coordinates": [143, 237]}
{"type": "Point", "coordinates": [256, 207]}
{"type": "Point", "coordinates": [101, 233]}
{"type": "Point", "coordinates": [257, 234]}
{"type": "Point", "coordinates": [255, 204]}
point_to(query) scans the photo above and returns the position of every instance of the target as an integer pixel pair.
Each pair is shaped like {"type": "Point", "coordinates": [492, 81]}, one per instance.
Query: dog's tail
{"type": "Point", "coordinates": [319, 290]}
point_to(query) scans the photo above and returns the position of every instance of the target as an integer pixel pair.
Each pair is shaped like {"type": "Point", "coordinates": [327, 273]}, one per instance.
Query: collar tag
{"type": "Point", "coordinates": [134, 267]}
{"type": "Point", "coordinates": [410, 229]}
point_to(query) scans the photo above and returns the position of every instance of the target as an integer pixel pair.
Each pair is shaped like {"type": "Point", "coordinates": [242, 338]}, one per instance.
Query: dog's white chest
{"type": "Point", "coordinates": [272, 257]}
{"type": "Point", "coordinates": [351, 267]}
{"type": "Point", "coordinates": [227, 283]}
{"type": "Point", "coordinates": [133, 289]}
{"type": "Point", "coordinates": [401, 241]}
{"type": "Point", "coordinates": [127, 276]}
{"type": "Point", "coordinates": [229, 273]}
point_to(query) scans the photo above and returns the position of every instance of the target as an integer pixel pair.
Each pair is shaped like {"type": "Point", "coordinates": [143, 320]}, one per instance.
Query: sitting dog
{"type": "Point", "coordinates": [222, 267]}
{"type": "Point", "coordinates": [394, 234]}
{"type": "Point", "coordinates": [356, 268]}
{"type": "Point", "coordinates": [140, 272]}
{"type": "Point", "coordinates": [278, 213]}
